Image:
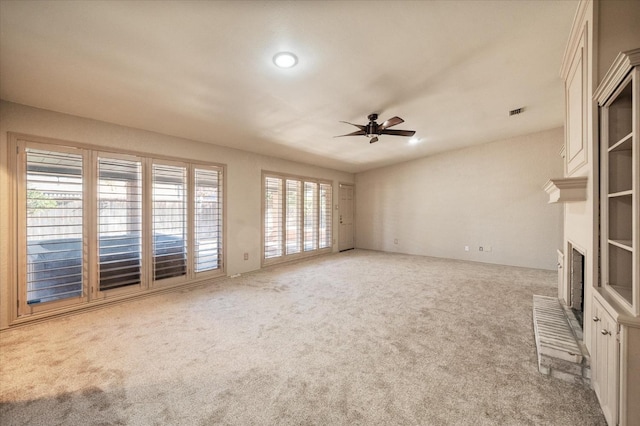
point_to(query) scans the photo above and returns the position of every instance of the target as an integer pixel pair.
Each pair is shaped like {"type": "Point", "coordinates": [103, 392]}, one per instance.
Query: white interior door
{"type": "Point", "coordinates": [345, 208]}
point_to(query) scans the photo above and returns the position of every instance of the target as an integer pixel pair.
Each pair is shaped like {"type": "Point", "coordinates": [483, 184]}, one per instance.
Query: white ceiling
{"type": "Point", "coordinates": [204, 71]}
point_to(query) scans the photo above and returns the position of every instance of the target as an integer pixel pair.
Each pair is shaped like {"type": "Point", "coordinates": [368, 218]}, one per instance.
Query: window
{"type": "Point", "coordinates": [310, 216]}
{"type": "Point", "coordinates": [294, 213]}
{"type": "Point", "coordinates": [119, 222]}
{"type": "Point", "coordinates": [54, 225]}
{"type": "Point", "coordinates": [273, 214]}
{"type": "Point", "coordinates": [297, 217]}
{"type": "Point", "coordinates": [169, 221]}
{"type": "Point", "coordinates": [326, 235]}
{"type": "Point", "coordinates": [93, 224]}
{"type": "Point", "coordinates": [208, 217]}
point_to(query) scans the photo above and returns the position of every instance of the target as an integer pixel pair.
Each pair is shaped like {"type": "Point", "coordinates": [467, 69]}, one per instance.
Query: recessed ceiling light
{"type": "Point", "coordinates": [414, 141]}
{"type": "Point", "coordinates": [285, 60]}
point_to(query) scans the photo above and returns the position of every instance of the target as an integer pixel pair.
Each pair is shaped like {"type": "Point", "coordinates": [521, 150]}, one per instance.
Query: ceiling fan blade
{"type": "Point", "coordinates": [356, 133]}
{"type": "Point", "coordinates": [374, 139]}
{"type": "Point", "coordinates": [398, 132]}
{"type": "Point", "coordinates": [357, 125]}
{"type": "Point", "coordinates": [390, 122]}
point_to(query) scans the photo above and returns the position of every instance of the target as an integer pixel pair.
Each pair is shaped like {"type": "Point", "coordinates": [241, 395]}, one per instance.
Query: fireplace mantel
{"type": "Point", "coordinates": [564, 190]}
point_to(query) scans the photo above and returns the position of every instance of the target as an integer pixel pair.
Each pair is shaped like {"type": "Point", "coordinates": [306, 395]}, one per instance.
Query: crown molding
{"type": "Point", "coordinates": [621, 66]}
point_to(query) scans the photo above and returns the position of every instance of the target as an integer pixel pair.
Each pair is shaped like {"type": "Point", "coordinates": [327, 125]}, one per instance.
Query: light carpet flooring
{"type": "Point", "coordinates": [355, 338]}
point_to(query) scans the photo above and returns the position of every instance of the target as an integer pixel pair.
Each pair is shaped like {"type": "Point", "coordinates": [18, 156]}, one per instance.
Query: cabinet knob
{"type": "Point", "coordinates": [596, 319]}
{"type": "Point", "coordinates": [605, 332]}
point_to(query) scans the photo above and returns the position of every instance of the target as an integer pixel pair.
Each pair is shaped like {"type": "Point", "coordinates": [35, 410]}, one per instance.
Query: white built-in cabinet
{"type": "Point", "coordinates": [604, 340]}
{"type": "Point", "coordinates": [615, 361]}
{"type": "Point", "coordinates": [615, 335]}
{"type": "Point", "coordinates": [618, 98]}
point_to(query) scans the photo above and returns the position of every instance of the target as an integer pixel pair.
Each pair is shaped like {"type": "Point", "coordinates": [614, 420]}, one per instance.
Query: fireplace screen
{"type": "Point", "coordinates": [577, 284]}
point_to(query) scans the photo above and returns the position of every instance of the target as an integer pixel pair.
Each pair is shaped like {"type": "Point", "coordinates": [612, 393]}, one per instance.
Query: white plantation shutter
{"type": "Point", "coordinates": [92, 225]}
{"type": "Point", "coordinates": [297, 217]}
{"type": "Point", "coordinates": [119, 222]}
{"type": "Point", "coordinates": [294, 216]}
{"type": "Point", "coordinates": [54, 219]}
{"type": "Point", "coordinates": [208, 219]}
{"type": "Point", "coordinates": [273, 215]}
{"type": "Point", "coordinates": [169, 221]}
{"type": "Point", "coordinates": [326, 203]}
{"type": "Point", "coordinates": [310, 216]}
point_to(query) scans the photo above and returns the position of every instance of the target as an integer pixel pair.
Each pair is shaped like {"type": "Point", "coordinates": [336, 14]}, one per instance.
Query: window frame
{"type": "Point", "coordinates": [327, 215]}
{"type": "Point", "coordinates": [144, 270]}
{"type": "Point", "coordinates": [281, 236]}
{"type": "Point", "coordinates": [298, 218]}
{"type": "Point", "coordinates": [317, 250]}
{"type": "Point", "coordinates": [23, 307]}
{"type": "Point", "coordinates": [92, 295]}
{"type": "Point", "coordinates": [220, 198]}
{"type": "Point", "coordinates": [153, 282]}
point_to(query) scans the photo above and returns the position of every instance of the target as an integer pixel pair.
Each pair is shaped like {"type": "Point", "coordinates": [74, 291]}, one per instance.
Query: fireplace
{"type": "Point", "coordinates": [558, 322]}
{"type": "Point", "coordinates": [576, 283]}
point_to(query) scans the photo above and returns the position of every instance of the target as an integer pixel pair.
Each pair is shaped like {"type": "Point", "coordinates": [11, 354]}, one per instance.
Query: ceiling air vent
{"type": "Point", "coordinates": [516, 111]}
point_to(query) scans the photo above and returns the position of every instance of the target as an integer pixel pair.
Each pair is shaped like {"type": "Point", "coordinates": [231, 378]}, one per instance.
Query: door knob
{"type": "Point", "coordinates": [596, 319]}
{"type": "Point", "coordinates": [605, 332]}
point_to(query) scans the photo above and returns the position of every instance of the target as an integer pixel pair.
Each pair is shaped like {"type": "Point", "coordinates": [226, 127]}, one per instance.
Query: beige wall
{"type": "Point", "coordinates": [618, 23]}
{"type": "Point", "coordinates": [243, 177]}
{"type": "Point", "coordinates": [489, 195]}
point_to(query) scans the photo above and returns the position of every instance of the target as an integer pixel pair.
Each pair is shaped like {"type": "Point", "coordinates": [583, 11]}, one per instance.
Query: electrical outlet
{"type": "Point", "coordinates": [487, 248]}
{"type": "Point", "coordinates": [466, 248]}
{"type": "Point", "coordinates": [246, 256]}
{"type": "Point", "coordinates": [395, 241]}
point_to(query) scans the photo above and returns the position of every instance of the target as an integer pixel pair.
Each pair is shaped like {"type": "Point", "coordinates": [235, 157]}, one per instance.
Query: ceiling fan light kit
{"type": "Point", "coordinates": [372, 130]}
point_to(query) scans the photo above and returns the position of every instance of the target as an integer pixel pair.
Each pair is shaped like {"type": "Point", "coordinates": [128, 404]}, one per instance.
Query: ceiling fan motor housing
{"type": "Point", "coordinates": [372, 127]}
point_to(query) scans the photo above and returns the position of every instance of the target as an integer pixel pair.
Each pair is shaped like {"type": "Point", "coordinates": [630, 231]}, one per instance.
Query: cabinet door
{"type": "Point", "coordinates": [598, 355]}
{"type": "Point", "coordinates": [611, 342]}
{"type": "Point", "coordinates": [605, 362]}
{"type": "Point", "coordinates": [576, 115]}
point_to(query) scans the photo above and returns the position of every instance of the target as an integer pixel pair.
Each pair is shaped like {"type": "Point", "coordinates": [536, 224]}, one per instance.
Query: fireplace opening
{"type": "Point", "coordinates": [577, 285]}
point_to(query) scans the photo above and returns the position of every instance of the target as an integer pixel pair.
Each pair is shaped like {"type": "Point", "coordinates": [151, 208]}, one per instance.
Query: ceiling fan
{"type": "Point", "coordinates": [373, 129]}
